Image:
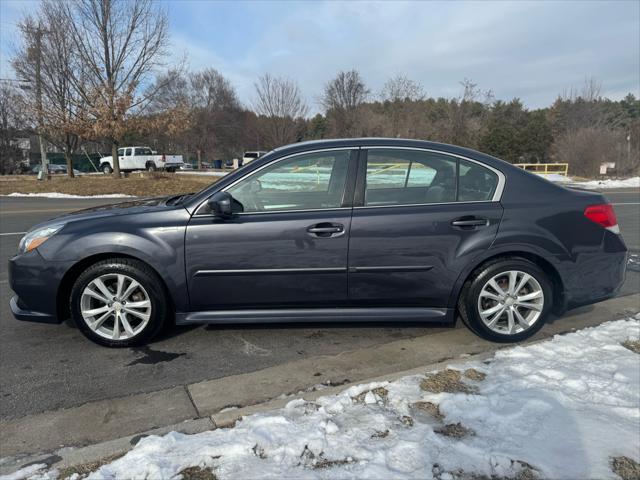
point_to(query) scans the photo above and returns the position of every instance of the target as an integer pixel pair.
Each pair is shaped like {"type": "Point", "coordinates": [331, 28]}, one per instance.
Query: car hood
{"type": "Point", "coordinates": [110, 210]}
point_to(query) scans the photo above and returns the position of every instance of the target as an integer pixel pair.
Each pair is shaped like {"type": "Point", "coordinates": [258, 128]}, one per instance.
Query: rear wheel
{"type": "Point", "coordinates": [506, 301]}
{"type": "Point", "coordinates": [151, 167]}
{"type": "Point", "coordinates": [118, 303]}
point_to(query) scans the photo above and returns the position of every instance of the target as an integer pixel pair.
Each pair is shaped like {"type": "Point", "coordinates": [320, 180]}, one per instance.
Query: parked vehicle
{"type": "Point", "coordinates": [140, 158]}
{"type": "Point", "coordinates": [341, 230]}
{"type": "Point", "coordinates": [54, 169]}
{"type": "Point", "coordinates": [184, 167]}
{"type": "Point", "coordinates": [251, 156]}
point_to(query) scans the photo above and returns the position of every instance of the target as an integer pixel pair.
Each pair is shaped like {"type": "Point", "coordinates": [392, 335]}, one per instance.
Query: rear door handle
{"type": "Point", "coordinates": [470, 222]}
{"type": "Point", "coordinates": [326, 229]}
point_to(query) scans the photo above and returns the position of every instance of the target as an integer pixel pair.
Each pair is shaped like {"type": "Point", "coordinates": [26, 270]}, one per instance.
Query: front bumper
{"type": "Point", "coordinates": [29, 315]}
{"type": "Point", "coordinates": [36, 282]}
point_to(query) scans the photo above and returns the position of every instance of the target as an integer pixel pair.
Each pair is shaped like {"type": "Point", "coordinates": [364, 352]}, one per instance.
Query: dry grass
{"type": "Point", "coordinates": [318, 462]}
{"type": "Point", "coordinates": [406, 420]}
{"type": "Point", "coordinates": [380, 434]}
{"type": "Point", "coordinates": [138, 184]}
{"type": "Point", "coordinates": [473, 374]}
{"type": "Point", "coordinates": [87, 468]}
{"type": "Point", "coordinates": [449, 381]}
{"type": "Point", "coordinates": [431, 408]}
{"type": "Point", "coordinates": [455, 430]}
{"type": "Point", "coordinates": [626, 468]}
{"type": "Point", "coordinates": [633, 345]}
{"type": "Point", "coordinates": [381, 392]}
{"type": "Point", "coordinates": [197, 473]}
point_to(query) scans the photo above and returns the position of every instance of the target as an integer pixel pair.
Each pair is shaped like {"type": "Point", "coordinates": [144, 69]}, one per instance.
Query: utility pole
{"type": "Point", "coordinates": [38, 53]}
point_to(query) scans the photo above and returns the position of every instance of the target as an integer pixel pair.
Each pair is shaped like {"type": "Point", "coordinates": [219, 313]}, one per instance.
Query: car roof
{"type": "Point", "coordinates": [364, 142]}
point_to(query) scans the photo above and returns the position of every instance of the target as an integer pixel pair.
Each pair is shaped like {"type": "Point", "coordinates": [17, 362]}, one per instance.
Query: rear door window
{"type": "Point", "coordinates": [406, 177]}
{"type": "Point", "coordinates": [403, 177]}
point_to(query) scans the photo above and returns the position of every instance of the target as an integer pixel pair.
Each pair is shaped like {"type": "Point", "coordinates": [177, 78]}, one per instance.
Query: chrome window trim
{"type": "Point", "coordinates": [292, 211]}
{"type": "Point", "coordinates": [349, 149]}
{"type": "Point", "coordinates": [424, 204]}
{"type": "Point", "coordinates": [497, 195]}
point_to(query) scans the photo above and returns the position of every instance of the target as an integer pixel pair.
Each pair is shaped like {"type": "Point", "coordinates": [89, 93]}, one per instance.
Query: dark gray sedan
{"type": "Point", "coordinates": [340, 230]}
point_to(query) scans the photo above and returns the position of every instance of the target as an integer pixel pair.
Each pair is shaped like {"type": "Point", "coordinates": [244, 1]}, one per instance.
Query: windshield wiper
{"type": "Point", "coordinates": [178, 199]}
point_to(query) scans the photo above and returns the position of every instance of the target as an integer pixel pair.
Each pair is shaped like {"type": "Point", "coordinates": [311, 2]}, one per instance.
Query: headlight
{"type": "Point", "coordinates": [36, 238]}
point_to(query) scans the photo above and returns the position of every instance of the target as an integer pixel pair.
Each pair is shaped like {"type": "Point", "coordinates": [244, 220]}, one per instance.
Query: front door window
{"type": "Point", "coordinates": [310, 181]}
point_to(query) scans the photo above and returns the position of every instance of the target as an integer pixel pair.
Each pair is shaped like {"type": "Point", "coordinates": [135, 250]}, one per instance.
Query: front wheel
{"type": "Point", "coordinates": [119, 302]}
{"type": "Point", "coordinates": [106, 169]}
{"type": "Point", "coordinates": [506, 301]}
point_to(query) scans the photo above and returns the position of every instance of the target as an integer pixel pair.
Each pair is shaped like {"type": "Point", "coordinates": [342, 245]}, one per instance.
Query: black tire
{"type": "Point", "coordinates": [106, 169]}
{"type": "Point", "coordinates": [151, 167]}
{"type": "Point", "coordinates": [138, 271]}
{"type": "Point", "coordinates": [468, 300]}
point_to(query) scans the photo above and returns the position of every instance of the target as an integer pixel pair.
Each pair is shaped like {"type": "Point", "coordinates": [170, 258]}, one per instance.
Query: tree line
{"type": "Point", "coordinates": [96, 72]}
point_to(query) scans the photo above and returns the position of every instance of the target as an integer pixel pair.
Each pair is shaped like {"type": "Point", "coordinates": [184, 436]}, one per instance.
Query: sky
{"type": "Point", "coordinates": [533, 50]}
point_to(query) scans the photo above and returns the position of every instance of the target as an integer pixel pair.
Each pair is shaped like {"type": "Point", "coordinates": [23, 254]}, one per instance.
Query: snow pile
{"type": "Point", "coordinates": [68, 195]}
{"type": "Point", "coordinates": [556, 409]}
{"type": "Point", "coordinates": [555, 177]}
{"type": "Point", "coordinates": [202, 173]}
{"type": "Point", "coordinates": [633, 182]}
{"type": "Point", "coordinates": [609, 183]}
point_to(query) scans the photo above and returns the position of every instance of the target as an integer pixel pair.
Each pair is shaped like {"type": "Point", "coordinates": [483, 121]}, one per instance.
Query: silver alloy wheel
{"type": "Point", "coordinates": [511, 302]}
{"type": "Point", "coordinates": [115, 306]}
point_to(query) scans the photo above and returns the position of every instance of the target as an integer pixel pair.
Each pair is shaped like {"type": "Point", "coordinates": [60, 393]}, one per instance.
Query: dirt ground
{"type": "Point", "coordinates": [138, 184]}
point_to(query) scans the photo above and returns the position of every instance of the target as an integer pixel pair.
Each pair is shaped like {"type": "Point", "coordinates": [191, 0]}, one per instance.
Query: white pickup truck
{"type": "Point", "coordinates": [141, 158]}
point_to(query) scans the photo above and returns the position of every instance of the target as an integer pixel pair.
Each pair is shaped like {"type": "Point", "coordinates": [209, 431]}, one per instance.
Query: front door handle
{"type": "Point", "coordinates": [326, 230]}
{"type": "Point", "coordinates": [470, 222]}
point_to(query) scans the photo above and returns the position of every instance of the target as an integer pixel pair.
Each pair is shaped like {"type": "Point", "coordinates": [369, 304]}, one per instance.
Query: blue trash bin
{"type": "Point", "coordinates": [217, 164]}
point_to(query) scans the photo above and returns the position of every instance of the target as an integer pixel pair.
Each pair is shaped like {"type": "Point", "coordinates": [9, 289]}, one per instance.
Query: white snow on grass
{"type": "Point", "coordinates": [557, 409]}
{"type": "Point", "coordinates": [555, 177]}
{"type": "Point", "coordinates": [609, 183]}
{"type": "Point", "coordinates": [67, 195]}
{"type": "Point", "coordinates": [202, 173]}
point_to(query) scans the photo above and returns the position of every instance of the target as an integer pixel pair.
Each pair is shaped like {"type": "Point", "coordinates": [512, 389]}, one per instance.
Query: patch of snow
{"type": "Point", "coordinates": [555, 177]}
{"type": "Point", "coordinates": [29, 472]}
{"type": "Point", "coordinates": [203, 173]}
{"type": "Point", "coordinates": [608, 183]}
{"type": "Point", "coordinates": [563, 406]}
{"type": "Point", "coordinates": [67, 195]}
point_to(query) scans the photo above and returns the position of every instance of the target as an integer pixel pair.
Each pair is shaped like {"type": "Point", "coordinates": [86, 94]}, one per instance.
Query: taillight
{"type": "Point", "coordinates": [604, 215]}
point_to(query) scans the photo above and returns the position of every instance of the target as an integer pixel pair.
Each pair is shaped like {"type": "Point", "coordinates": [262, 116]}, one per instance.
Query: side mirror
{"type": "Point", "coordinates": [221, 205]}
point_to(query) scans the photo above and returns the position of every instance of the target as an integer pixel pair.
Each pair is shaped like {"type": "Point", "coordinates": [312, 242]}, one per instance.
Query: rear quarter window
{"type": "Point", "coordinates": [475, 182]}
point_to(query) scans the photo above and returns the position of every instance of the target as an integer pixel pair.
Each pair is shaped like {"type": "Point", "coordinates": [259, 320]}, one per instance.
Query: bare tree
{"type": "Point", "coordinates": [400, 96]}
{"type": "Point", "coordinates": [402, 89]}
{"type": "Point", "coordinates": [12, 120]}
{"type": "Point", "coordinates": [280, 102]}
{"type": "Point", "coordinates": [56, 104]}
{"type": "Point", "coordinates": [341, 100]}
{"type": "Point", "coordinates": [120, 43]}
{"type": "Point", "coordinates": [214, 110]}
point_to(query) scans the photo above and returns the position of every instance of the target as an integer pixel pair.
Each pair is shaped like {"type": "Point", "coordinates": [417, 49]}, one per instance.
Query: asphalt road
{"type": "Point", "coordinates": [45, 367]}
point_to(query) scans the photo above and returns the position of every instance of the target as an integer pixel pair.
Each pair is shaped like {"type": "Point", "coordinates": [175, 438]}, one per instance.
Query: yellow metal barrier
{"type": "Point", "coordinates": [545, 168]}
